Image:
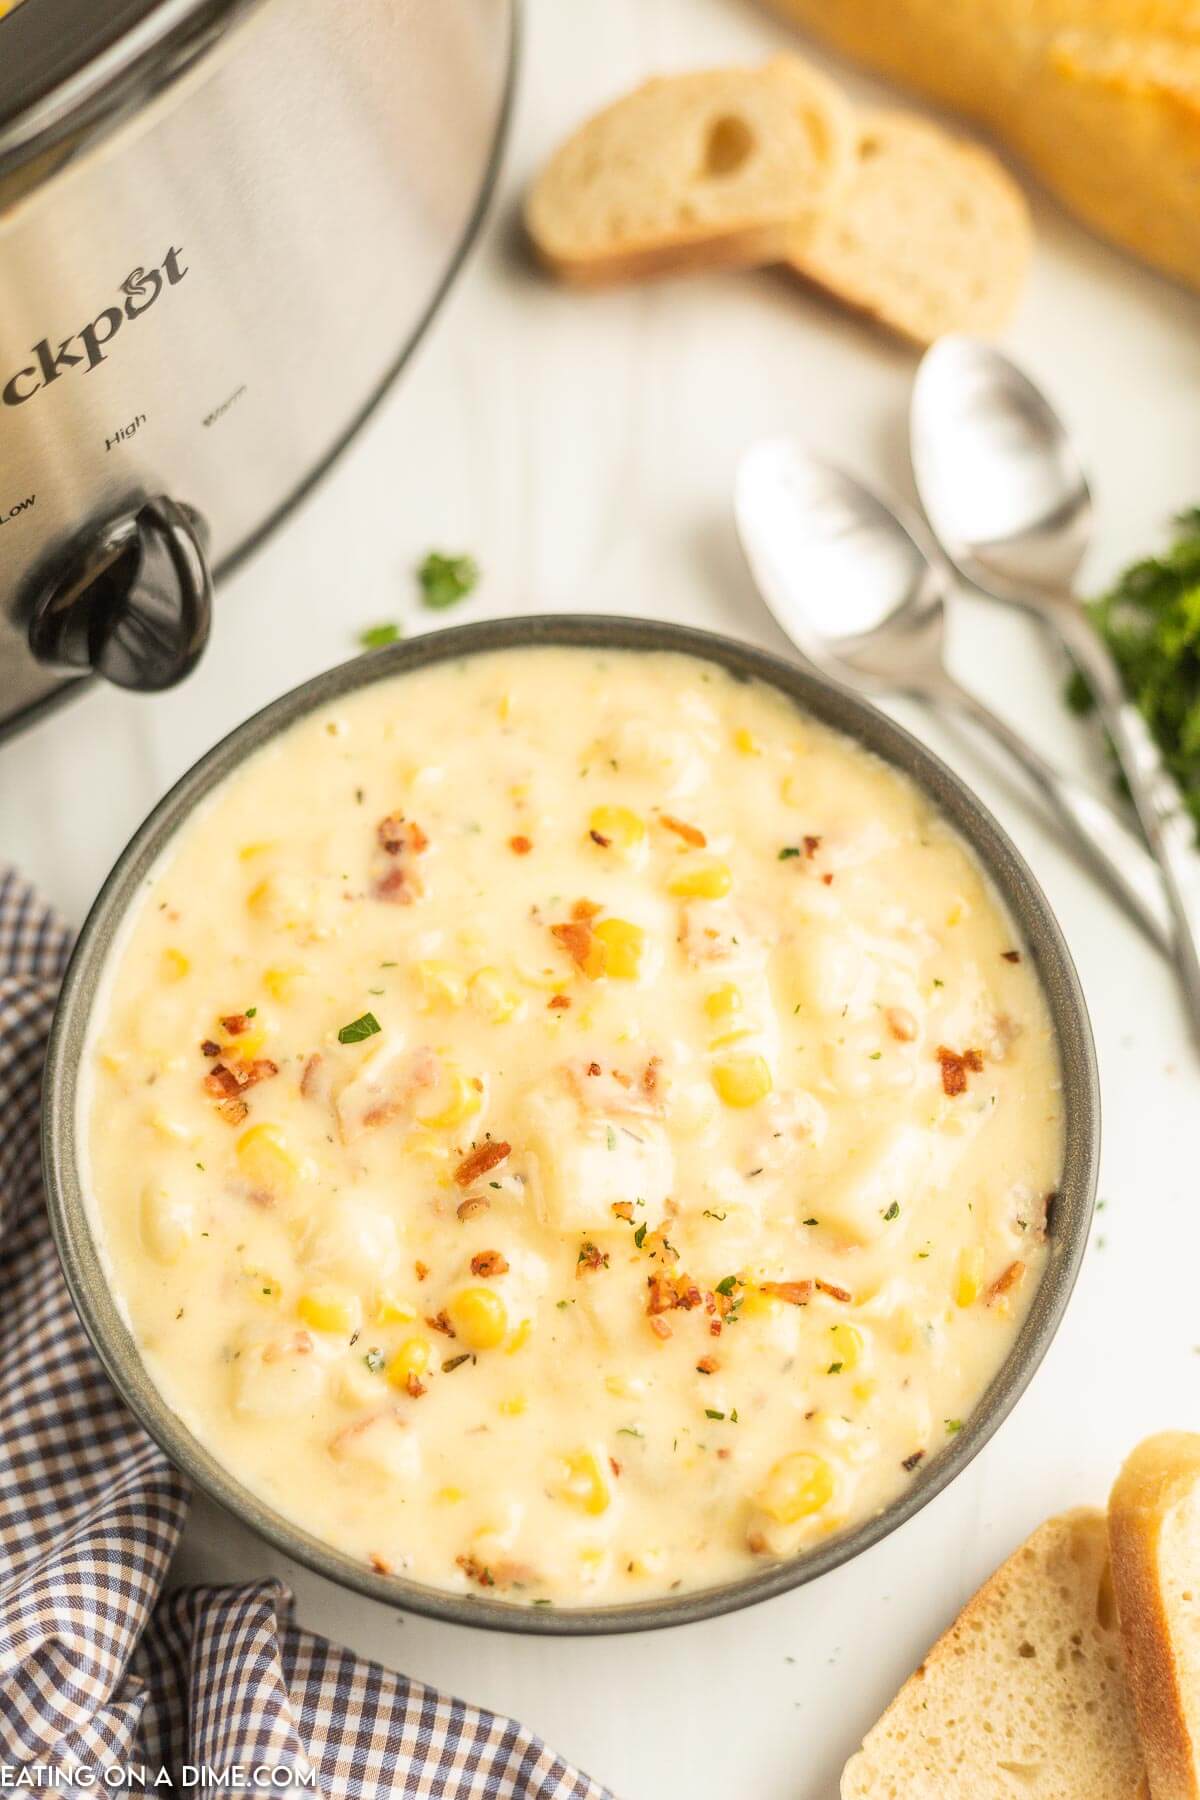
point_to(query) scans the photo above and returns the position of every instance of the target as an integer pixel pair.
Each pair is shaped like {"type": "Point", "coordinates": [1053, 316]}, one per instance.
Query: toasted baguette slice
{"type": "Point", "coordinates": [929, 235]}
{"type": "Point", "coordinates": [1154, 1533]}
{"type": "Point", "coordinates": [705, 169]}
{"type": "Point", "coordinates": [1024, 1698]}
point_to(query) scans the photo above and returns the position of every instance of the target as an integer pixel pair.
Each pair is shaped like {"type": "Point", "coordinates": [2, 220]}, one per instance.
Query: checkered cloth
{"type": "Point", "coordinates": [96, 1669]}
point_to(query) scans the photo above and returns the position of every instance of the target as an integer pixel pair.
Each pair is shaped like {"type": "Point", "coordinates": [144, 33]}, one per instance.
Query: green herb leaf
{"type": "Point", "coordinates": [953, 1425]}
{"type": "Point", "coordinates": [251, 1011]}
{"type": "Point", "coordinates": [375, 1360]}
{"type": "Point", "coordinates": [629, 1431]}
{"type": "Point", "coordinates": [639, 1236]}
{"type": "Point", "coordinates": [378, 637]}
{"type": "Point", "coordinates": [358, 1029]}
{"type": "Point", "coordinates": [445, 580]}
{"type": "Point", "coordinates": [834, 1369]}
{"type": "Point", "coordinates": [893, 1212]}
{"type": "Point", "coordinates": [727, 1286]}
{"type": "Point", "coordinates": [788, 851]}
{"type": "Point", "coordinates": [610, 1138]}
{"type": "Point", "coordinates": [711, 1413]}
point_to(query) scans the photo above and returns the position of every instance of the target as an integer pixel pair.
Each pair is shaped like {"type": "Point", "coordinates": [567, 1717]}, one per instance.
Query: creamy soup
{"type": "Point", "coordinates": [568, 1125]}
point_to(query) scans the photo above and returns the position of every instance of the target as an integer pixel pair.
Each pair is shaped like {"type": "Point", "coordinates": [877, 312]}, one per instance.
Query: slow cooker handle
{"type": "Point", "coordinates": [135, 604]}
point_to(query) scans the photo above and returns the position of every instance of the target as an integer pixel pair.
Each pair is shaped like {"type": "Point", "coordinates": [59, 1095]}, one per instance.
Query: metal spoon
{"type": "Point", "coordinates": [864, 601]}
{"type": "Point", "coordinates": [1009, 502]}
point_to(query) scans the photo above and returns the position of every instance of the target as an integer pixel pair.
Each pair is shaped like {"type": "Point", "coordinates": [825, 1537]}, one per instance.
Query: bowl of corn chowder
{"type": "Point", "coordinates": [571, 1124]}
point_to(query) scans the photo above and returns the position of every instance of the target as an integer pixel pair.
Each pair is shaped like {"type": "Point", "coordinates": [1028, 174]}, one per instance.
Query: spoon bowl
{"type": "Point", "coordinates": [998, 476]}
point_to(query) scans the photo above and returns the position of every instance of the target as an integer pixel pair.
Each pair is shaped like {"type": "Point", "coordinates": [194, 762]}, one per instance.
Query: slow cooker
{"type": "Point", "coordinates": [223, 225]}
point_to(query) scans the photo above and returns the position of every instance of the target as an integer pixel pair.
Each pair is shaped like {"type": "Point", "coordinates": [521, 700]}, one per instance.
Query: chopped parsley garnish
{"type": "Point", "coordinates": [893, 1212]}
{"type": "Point", "coordinates": [250, 1011]}
{"type": "Point", "coordinates": [834, 1369]}
{"type": "Point", "coordinates": [358, 1029]}
{"type": "Point", "coordinates": [445, 580]}
{"type": "Point", "coordinates": [610, 1138]}
{"type": "Point", "coordinates": [639, 1236]}
{"type": "Point", "coordinates": [711, 1413]}
{"type": "Point", "coordinates": [378, 637]}
{"type": "Point", "coordinates": [727, 1285]}
{"type": "Point", "coordinates": [812, 1221]}
{"type": "Point", "coordinates": [953, 1425]}
{"type": "Point", "coordinates": [788, 851]}
{"type": "Point", "coordinates": [629, 1431]}
{"type": "Point", "coordinates": [374, 1360]}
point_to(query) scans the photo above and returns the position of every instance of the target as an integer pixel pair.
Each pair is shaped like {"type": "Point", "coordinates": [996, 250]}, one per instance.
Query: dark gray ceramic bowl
{"type": "Point", "coordinates": [1068, 1225]}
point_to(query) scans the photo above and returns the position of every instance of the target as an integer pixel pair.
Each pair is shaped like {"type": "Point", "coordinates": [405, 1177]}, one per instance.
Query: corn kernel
{"type": "Point", "coordinates": [175, 965]}
{"type": "Point", "coordinates": [723, 1001]}
{"type": "Point", "coordinates": [412, 1358]}
{"type": "Point", "coordinates": [796, 789]}
{"type": "Point", "coordinates": [330, 1309]}
{"type": "Point", "coordinates": [703, 880]}
{"type": "Point", "coordinates": [623, 944]}
{"type": "Point", "coordinates": [479, 1317]}
{"type": "Point", "coordinates": [864, 1390]}
{"type": "Point", "coordinates": [389, 1310]}
{"type": "Point", "coordinates": [493, 997]}
{"type": "Point", "coordinates": [279, 983]}
{"type": "Point", "coordinates": [248, 852]}
{"type": "Point", "coordinates": [730, 1037]}
{"type": "Point", "coordinates": [519, 1338]}
{"type": "Point", "coordinates": [620, 827]}
{"type": "Point", "coordinates": [167, 1225]}
{"type": "Point", "coordinates": [798, 1485]}
{"type": "Point", "coordinates": [265, 1160]}
{"type": "Point", "coordinates": [584, 1483]}
{"type": "Point", "coordinates": [745, 741]}
{"type": "Point", "coordinates": [847, 1345]}
{"type": "Point", "coordinates": [757, 1305]}
{"type": "Point", "coordinates": [969, 1279]}
{"type": "Point", "coordinates": [464, 1098]}
{"type": "Point", "coordinates": [742, 1080]}
{"type": "Point", "coordinates": [625, 1387]}
{"type": "Point", "coordinates": [247, 1045]}
{"type": "Point", "coordinates": [440, 984]}
{"type": "Point", "coordinates": [504, 707]}
{"type": "Point", "coordinates": [514, 1406]}
{"type": "Point", "coordinates": [450, 1496]}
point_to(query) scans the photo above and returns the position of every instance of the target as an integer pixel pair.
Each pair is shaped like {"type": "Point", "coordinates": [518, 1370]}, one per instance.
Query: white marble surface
{"type": "Point", "coordinates": [583, 448]}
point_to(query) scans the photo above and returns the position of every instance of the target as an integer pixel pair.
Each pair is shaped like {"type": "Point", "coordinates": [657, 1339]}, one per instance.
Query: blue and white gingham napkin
{"type": "Point", "coordinates": [98, 1671]}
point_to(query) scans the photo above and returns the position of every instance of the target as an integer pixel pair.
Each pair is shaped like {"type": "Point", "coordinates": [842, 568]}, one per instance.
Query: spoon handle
{"type": "Point", "coordinates": [1111, 848]}
{"type": "Point", "coordinates": [1169, 828]}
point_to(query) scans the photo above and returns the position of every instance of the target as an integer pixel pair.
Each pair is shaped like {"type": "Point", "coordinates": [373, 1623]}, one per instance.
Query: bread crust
{"type": "Point", "coordinates": [1163, 1473]}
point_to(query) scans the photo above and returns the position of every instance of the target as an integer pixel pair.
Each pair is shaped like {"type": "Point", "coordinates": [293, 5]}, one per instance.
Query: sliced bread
{"type": "Point", "coordinates": [1154, 1532]}
{"type": "Point", "coordinates": [929, 234]}
{"type": "Point", "coordinates": [703, 169]}
{"type": "Point", "coordinates": [1024, 1698]}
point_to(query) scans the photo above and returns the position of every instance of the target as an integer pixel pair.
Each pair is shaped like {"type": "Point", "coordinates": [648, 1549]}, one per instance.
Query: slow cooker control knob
{"type": "Point", "coordinates": [135, 603]}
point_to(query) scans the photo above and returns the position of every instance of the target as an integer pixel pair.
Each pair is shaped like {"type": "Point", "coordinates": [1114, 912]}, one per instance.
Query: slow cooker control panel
{"type": "Point", "coordinates": [132, 603]}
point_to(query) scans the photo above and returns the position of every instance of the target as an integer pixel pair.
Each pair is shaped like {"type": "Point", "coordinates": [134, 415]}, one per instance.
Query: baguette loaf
{"type": "Point", "coordinates": [928, 235]}
{"type": "Point", "coordinates": [1100, 97]}
{"type": "Point", "coordinates": [704, 169]}
{"type": "Point", "coordinates": [1154, 1531]}
{"type": "Point", "coordinates": [1024, 1698]}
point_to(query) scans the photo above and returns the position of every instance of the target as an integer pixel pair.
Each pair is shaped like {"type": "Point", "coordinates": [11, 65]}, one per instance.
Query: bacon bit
{"type": "Point", "coordinates": [910, 1462]}
{"type": "Point", "coordinates": [471, 1207]}
{"type": "Point", "coordinates": [708, 1365]}
{"type": "Point", "coordinates": [233, 1111]}
{"type": "Point", "coordinates": [477, 1162]}
{"type": "Point", "coordinates": [594, 1068]}
{"type": "Point", "coordinates": [621, 1079]}
{"type": "Point", "coordinates": [208, 1048]}
{"type": "Point", "coordinates": [660, 1328]}
{"type": "Point", "coordinates": [309, 1077]}
{"type": "Point", "coordinates": [691, 834]}
{"type": "Point", "coordinates": [421, 1269]}
{"type": "Point", "coordinates": [488, 1263]}
{"type": "Point", "coordinates": [598, 837]}
{"type": "Point", "coordinates": [650, 1075]}
{"type": "Point", "coordinates": [476, 1571]}
{"type": "Point", "coordinates": [724, 1453]}
{"type": "Point", "coordinates": [615, 1466]}
{"type": "Point", "coordinates": [796, 1293]}
{"type": "Point", "coordinates": [380, 1564]}
{"type": "Point", "coordinates": [670, 1291]}
{"type": "Point", "coordinates": [955, 1067]}
{"type": "Point", "coordinates": [400, 887]}
{"type": "Point", "coordinates": [235, 1023]}
{"type": "Point", "coordinates": [811, 846]}
{"type": "Point", "coordinates": [583, 910]}
{"type": "Point", "coordinates": [576, 940]}
{"type": "Point", "coordinates": [1013, 956]}
{"type": "Point", "coordinates": [414, 1388]}
{"type": "Point", "coordinates": [441, 1322]}
{"type": "Point", "coordinates": [590, 1259]}
{"type": "Point", "coordinates": [756, 1543]}
{"type": "Point", "coordinates": [1011, 1278]}
{"type": "Point", "coordinates": [714, 1327]}
{"type": "Point", "coordinates": [222, 1083]}
{"type": "Point", "coordinates": [828, 880]}
{"type": "Point", "coordinates": [834, 1292]}
{"type": "Point", "coordinates": [623, 1209]}
{"type": "Point", "coordinates": [901, 1024]}
{"type": "Point", "coordinates": [559, 1002]}
{"type": "Point", "coordinates": [520, 845]}
{"type": "Point", "coordinates": [397, 834]}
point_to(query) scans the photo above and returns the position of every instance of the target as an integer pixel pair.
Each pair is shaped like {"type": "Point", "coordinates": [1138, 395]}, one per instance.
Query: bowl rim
{"type": "Point", "coordinates": [830, 704]}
